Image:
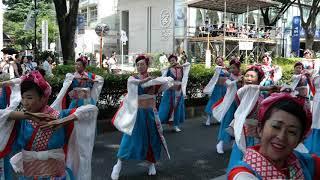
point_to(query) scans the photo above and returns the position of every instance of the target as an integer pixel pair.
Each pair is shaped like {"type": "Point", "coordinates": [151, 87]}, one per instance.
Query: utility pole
{"type": "Point", "coordinates": [35, 28]}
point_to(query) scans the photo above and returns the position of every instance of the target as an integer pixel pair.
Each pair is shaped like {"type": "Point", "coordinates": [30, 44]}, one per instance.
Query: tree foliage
{"type": "Point", "coordinates": [271, 15]}
{"type": "Point", "coordinates": [309, 23]}
{"type": "Point", "coordinates": [15, 18]}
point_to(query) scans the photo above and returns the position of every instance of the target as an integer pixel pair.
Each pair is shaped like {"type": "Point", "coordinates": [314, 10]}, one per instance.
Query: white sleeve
{"type": "Point", "coordinates": [57, 104]}
{"type": "Point", "coordinates": [245, 176]}
{"type": "Point", "coordinates": [6, 126]}
{"type": "Point", "coordinates": [81, 142]}
{"type": "Point", "coordinates": [96, 89]}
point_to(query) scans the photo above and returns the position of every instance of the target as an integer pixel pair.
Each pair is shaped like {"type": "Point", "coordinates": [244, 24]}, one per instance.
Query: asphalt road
{"type": "Point", "coordinates": [193, 155]}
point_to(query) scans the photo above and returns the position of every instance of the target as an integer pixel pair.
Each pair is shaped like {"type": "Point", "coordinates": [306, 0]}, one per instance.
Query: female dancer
{"type": "Point", "coordinates": [47, 144]}
{"type": "Point", "coordinates": [216, 88]}
{"type": "Point", "coordinates": [245, 118]}
{"type": "Point", "coordinates": [301, 83]}
{"type": "Point", "coordinates": [80, 88]}
{"type": "Point", "coordinates": [223, 112]}
{"type": "Point", "coordinates": [137, 117]}
{"type": "Point", "coordinates": [283, 123]}
{"type": "Point", "coordinates": [272, 74]}
{"type": "Point", "coordinates": [172, 106]}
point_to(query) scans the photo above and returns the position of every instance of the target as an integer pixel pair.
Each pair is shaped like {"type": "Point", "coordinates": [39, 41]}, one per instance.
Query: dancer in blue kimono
{"type": "Point", "coordinates": [245, 124]}
{"type": "Point", "coordinates": [137, 117]}
{"type": "Point", "coordinates": [227, 116]}
{"type": "Point", "coordinates": [272, 73]}
{"type": "Point", "coordinates": [216, 88]}
{"type": "Point", "coordinates": [41, 142]}
{"type": "Point", "coordinates": [172, 106]}
{"type": "Point", "coordinates": [79, 88]}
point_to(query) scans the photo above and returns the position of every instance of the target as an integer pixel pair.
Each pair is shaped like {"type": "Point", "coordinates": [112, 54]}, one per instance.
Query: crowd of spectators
{"type": "Point", "coordinates": [16, 65]}
{"type": "Point", "coordinates": [236, 31]}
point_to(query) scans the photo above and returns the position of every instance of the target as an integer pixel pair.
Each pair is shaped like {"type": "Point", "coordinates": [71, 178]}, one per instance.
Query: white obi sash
{"type": "Point", "coordinates": [18, 160]}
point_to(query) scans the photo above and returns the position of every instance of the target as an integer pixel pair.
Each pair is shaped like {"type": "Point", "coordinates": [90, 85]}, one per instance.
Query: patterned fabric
{"type": "Point", "coordinates": [81, 98]}
{"type": "Point", "coordinates": [176, 73]}
{"type": "Point", "coordinates": [80, 81]}
{"type": "Point", "coordinates": [40, 168]}
{"type": "Point", "coordinates": [40, 142]}
{"type": "Point", "coordinates": [267, 170]}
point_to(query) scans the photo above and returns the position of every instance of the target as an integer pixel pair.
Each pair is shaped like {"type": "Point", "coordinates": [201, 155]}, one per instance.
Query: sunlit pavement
{"type": "Point", "coordinates": [193, 156]}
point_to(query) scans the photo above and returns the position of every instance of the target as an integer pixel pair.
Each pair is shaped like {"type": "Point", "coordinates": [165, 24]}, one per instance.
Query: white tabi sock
{"type": "Point", "coordinates": [220, 147]}
{"type": "Point", "coordinates": [152, 169]}
{"type": "Point", "coordinates": [208, 122]}
{"type": "Point", "coordinates": [116, 170]}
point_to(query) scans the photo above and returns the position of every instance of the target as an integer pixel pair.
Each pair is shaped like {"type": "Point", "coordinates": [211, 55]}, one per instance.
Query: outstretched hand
{"type": "Point", "coordinates": [146, 79]}
{"type": "Point", "coordinates": [58, 123]}
{"type": "Point", "coordinates": [240, 81]}
{"type": "Point", "coordinates": [55, 124]}
{"type": "Point", "coordinates": [40, 118]}
{"type": "Point", "coordinates": [86, 79]}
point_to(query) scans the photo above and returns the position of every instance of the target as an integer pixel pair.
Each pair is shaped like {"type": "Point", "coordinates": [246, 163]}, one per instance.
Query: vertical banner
{"type": "Point", "coordinates": [296, 28]}
{"type": "Point", "coordinates": [81, 24]}
{"type": "Point", "coordinates": [180, 23]}
{"type": "Point", "coordinates": [44, 31]}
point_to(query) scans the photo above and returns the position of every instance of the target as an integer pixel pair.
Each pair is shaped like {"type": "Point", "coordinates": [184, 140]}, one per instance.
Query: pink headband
{"type": "Point", "coordinates": [267, 103]}
{"type": "Point", "coordinates": [83, 60]}
{"type": "Point", "coordinates": [37, 78]}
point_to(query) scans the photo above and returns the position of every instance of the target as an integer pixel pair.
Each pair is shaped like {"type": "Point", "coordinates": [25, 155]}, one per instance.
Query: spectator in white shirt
{"type": "Point", "coordinates": [47, 66]}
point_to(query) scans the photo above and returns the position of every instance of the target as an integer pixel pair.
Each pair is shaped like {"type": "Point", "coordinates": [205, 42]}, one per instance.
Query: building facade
{"type": "Point", "coordinates": [154, 26]}
{"type": "Point", "coordinates": [92, 13]}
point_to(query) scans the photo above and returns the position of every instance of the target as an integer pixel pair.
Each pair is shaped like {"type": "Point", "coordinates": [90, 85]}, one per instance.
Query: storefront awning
{"type": "Point", "coordinates": [233, 6]}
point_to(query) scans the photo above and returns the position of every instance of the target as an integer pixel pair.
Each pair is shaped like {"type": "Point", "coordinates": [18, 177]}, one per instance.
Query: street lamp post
{"type": "Point", "coordinates": [101, 30]}
{"type": "Point", "coordinates": [284, 20]}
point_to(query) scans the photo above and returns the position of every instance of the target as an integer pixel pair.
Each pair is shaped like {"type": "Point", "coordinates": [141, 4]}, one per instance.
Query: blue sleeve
{"type": "Point", "coordinates": [307, 164]}
{"type": "Point", "coordinates": [66, 112]}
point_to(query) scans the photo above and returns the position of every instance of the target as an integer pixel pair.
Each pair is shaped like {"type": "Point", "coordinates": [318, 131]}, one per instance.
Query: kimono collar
{"type": "Point", "coordinates": [267, 170]}
{"type": "Point", "coordinates": [77, 74]}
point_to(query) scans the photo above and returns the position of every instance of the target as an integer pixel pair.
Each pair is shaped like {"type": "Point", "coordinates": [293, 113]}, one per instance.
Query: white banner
{"type": "Point", "coordinates": [245, 45]}
{"type": "Point", "coordinates": [44, 35]}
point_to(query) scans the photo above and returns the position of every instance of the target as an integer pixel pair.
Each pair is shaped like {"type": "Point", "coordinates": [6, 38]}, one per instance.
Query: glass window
{"type": "Point", "coordinates": [84, 13]}
{"type": "Point", "coordinates": [93, 13]}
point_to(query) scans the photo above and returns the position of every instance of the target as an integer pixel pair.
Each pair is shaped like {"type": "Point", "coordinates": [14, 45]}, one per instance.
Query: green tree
{"type": "Point", "coordinates": [67, 21]}
{"type": "Point", "coordinates": [309, 23]}
{"type": "Point", "coordinates": [15, 18]}
{"type": "Point", "coordinates": [271, 15]}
